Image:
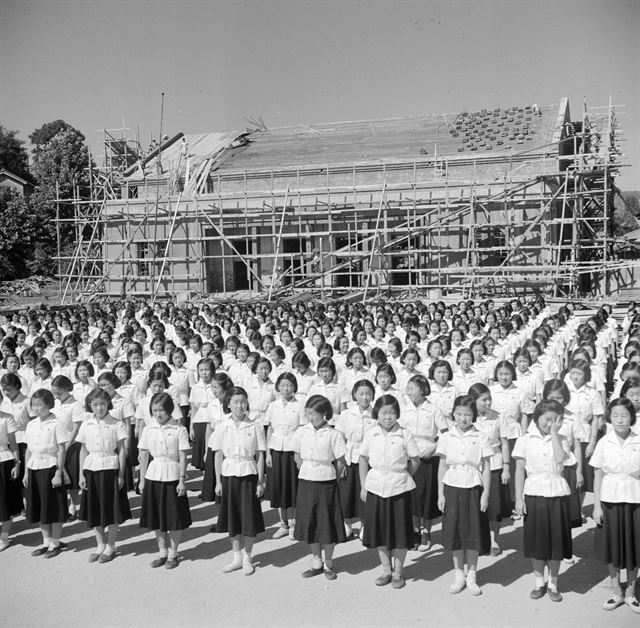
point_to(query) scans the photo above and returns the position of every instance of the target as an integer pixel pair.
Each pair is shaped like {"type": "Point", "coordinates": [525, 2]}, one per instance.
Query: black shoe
{"type": "Point", "coordinates": [310, 573]}
{"type": "Point", "coordinates": [537, 593]}
{"type": "Point", "coordinates": [40, 551]}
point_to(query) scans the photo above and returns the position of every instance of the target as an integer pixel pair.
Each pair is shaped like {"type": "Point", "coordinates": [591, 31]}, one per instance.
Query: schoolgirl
{"type": "Point", "coordinates": [385, 382]}
{"type": "Point", "coordinates": [355, 371]}
{"type": "Point", "coordinates": [239, 445]}
{"type": "Point", "coordinates": [443, 393]}
{"type": "Point", "coordinates": [239, 370]}
{"type": "Point", "coordinates": [464, 376]}
{"type": "Point", "coordinates": [410, 366]}
{"type": "Point", "coordinates": [10, 488]}
{"type": "Point", "coordinates": [488, 422]}
{"type": "Point", "coordinates": [319, 453]}
{"type": "Point", "coordinates": [616, 509]}
{"type": "Point", "coordinates": [587, 409]}
{"type": "Point", "coordinates": [43, 378]}
{"type": "Point", "coordinates": [464, 485]}
{"type": "Point", "coordinates": [304, 374]}
{"type": "Point", "coordinates": [46, 439]}
{"type": "Point", "coordinates": [425, 422]}
{"type": "Point", "coordinates": [17, 405]}
{"type": "Point", "coordinates": [104, 503]}
{"type": "Point", "coordinates": [200, 397]}
{"type": "Point", "coordinates": [353, 423]}
{"type": "Point", "coordinates": [481, 366]}
{"type": "Point", "coordinates": [389, 456]}
{"type": "Point", "coordinates": [84, 381]}
{"type": "Point", "coordinates": [283, 418]}
{"type": "Point", "coordinates": [100, 358]}
{"type": "Point", "coordinates": [183, 379]}
{"type": "Point", "coordinates": [165, 507]}
{"type": "Point", "coordinates": [529, 383]}
{"type": "Point", "coordinates": [61, 364]}
{"type": "Point", "coordinates": [631, 391]}
{"type": "Point", "coordinates": [260, 391]}
{"type": "Point", "coordinates": [394, 353]}
{"type": "Point", "coordinates": [326, 385]}
{"type": "Point", "coordinates": [544, 497]}
{"type": "Point", "coordinates": [71, 414]}
{"type": "Point", "coordinates": [556, 390]}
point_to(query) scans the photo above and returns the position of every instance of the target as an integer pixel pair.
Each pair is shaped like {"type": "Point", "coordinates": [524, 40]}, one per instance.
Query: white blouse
{"type": "Point", "coordinates": [284, 418]}
{"type": "Point", "coordinates": [465, 454]}
{"type": "Point", "coordinates": [318, 448]}
{"type": "Point", "coordinates": [620, 463]}
{"type": "Point", "coordinates": [101, 439]}
{"type": "Point", "coordinates": [43, 438]}
{"type": "Point", "coordinates": [239, 445]}
{"type": "Point", "coordinates": [164, 443]}
{"type": "Point", "coordinates": [353, 425]}
{"type": "Point", "coordinates": [7, 426]}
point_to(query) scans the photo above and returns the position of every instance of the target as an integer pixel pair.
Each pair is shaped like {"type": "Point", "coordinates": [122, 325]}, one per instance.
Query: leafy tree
{"type": "Point", "coordinates": [13, 154]}
{"type": "Point", "coordinates": [20, 233]}
{"type": "Point", "coordinates": [49, 130]}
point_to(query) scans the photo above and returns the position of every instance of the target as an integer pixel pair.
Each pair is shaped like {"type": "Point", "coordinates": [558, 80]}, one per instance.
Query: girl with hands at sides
{"type": "Point", "coordinates": [239, 445]}
{"type": "Point", "coordinates": [389, 457]}
{"type": "Point", "coordinates": [46, 439]}
{"type": "Point", "coordinates": [464, 485]}
{"type": "Point", "coordinates": [616, 508]}
{"type": "Point", "coordinates": [544, 496]}
{"type": "Point", "coordinates": [104, 504]}
{"type": "Point", "coordinates": [319, 454]}
{"type": "Point", "coordinates": [165, 507]}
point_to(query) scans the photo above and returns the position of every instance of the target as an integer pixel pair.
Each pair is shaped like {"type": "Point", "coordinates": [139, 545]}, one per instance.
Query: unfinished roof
{"type": "Point", "coordinates": [488, 132]}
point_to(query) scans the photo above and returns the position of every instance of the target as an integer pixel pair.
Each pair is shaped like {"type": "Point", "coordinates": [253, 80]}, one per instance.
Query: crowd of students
{"type": "Point", "coordinates": [369, 421]}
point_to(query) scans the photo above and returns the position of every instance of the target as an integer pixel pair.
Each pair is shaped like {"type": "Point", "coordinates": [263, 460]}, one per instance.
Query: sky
{"type": "Point", "coordinates": [104, 64]}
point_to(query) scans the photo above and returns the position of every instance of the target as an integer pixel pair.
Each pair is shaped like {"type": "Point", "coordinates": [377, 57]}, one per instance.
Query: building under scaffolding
{"type": "Point", "coordinates": [490, 202]}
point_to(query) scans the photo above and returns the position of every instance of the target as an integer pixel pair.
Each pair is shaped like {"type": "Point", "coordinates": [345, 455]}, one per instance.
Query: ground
{"type": "Point", "coordinates": [69, 591]}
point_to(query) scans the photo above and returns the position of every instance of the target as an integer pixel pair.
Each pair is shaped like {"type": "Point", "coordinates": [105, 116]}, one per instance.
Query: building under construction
{"type": "Point", "coordinates": [492, 202]}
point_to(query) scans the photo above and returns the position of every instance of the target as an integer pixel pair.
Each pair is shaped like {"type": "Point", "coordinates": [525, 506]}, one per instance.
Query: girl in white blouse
{"type": "Point", "coordinates": [320, 452]}
{"type": "Point", "coordinates": [165, 507]}
{"type": "Point", "coordinates": [464, 484]}
{"type": "Point", "coordinates": [544, 496]}
{"type": "Point", "coordinates": [104, 504]}
{"type": "Point", "coordinates": [284, 417]}
{"type": "Point", "coordinates": [46, 439]}
{"type": "Point", "coordinates": [616, 509]}
{"type": "Point", "coordinates": [389, 457]}
{"type": "Point", "coordinates": [10, 490]}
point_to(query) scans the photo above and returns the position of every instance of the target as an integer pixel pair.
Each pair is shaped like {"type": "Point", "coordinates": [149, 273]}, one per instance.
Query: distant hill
{"type": "Point", "coordinates": [627, 212]}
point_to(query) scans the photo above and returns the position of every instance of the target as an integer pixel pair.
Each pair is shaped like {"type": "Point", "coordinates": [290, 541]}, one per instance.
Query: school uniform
{"type": "Point", "coordinates": [547, 524]}
{"type": "Point", "coordinates": [103, 503]}
{"type": "Point", "coordinates": [45, 504]}
{"type": "Point", "coordinates": [240, 511]}
{"type": "Point", "coordinates": [585, 403]}
{"type": "Point", "coordinates": [571, 432]}
{"type": "Point", "coordinates": [388, 519]}
{"type": "Point", "coordinates": [259, 395]}
{"type": "Point", "coordinates": [71, 414]}
{"type": "Point", "coordinates": [201, 394]}
{"type": "Point", "coordinates": [80, 390]}
{"type": "Point", "coordinates": [500, 504]}
{"type": "Point", "coordinates": [182, 379]}
{"type": "Point", "coordinates": [463, 381]}
{"type": "Point", "coordinates": [425, 423]}
{"type": "Point", "coordinates": [19, 409]}
{"type": "Point", "coordinates": [318, 512]}
{"type": "Point", "coordinates": [618, 539]}
{"type": "Point", "coordinates": [349, 378]}
{"type": "Point", "coordinates": [353, 424]}
{"type": "Point", "coordinates": [10, 489]}
{"type": "Point", "coordinates": [464, 525]}
{"type": "Point", "coordinates": [442, 397]}
{"type": "Point", "coordinates": [162, 509]}
{"type": "Point", "coordinates": [282, 480]}
{"type": "Point", "coordinates": [331, 391]}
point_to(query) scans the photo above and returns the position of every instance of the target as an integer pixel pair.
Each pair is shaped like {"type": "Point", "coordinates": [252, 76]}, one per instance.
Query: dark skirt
{"type": "Point", "coordinates": [22, 450]}
{"type": "Point", "coordinates": [618, 538]}
{"type": "Point", "coordinates": [199, 446]}
{"type": "Point", "coordinates": [500, 505]}
{"type": "Point", "coordinates": [547, 528]}
{"type": "Point", "coordinates": [45, 504]}
{"type": "Point", "coordinates": [318, 513]}
{"type": "Point", "coordinates": [72, 465]}
{"type": "Point", "coordinates": [349, 489]}
{"type": "Point", "coordinates": [588, 472]}
{"type": "Point", "coordinates": [131, 460]}
{"type": "Point", "coordinates": [424, 498]}
{"type": "Point", "coordinates": [464, 525]}
{"type": "Point", "coordinates": [103, 503]}
{"type": "Point", "coordinates": [208, 492]}
{"type": "Point", "coordinates": [282, 482]}
{"type": "Point", "coordinates": [162, 509]}
{"type": "Point", "coordinates": [388, 522]}
{"type": "Point", "coordinates": [240, 511]}
{"type": "Point", "coordinates": [186, 416]}
{"type": "Point", "coordinates": [10, 492]}
{"type": "Point", "coordinates": [575, 511]}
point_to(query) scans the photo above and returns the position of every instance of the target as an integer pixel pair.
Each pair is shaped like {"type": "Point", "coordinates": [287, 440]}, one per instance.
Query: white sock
{"type": "Point", "coordinates": [458, 575]}
{"type": "Point", "coordinates": [539, 582]}
{"type": "Point", "coordinates": [173, 554]}
{"type": "Point", "coordinates": [553, 586]}
{"type": "Point", "coordinates": [246, 557]}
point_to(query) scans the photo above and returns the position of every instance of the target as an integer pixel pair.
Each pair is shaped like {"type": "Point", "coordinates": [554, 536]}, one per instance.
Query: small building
{"type": "Point", "coordinates": [11, 181]}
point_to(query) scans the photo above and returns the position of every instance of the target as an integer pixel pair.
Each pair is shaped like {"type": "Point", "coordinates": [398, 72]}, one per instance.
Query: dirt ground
{"type": "Point", "coordinates": [69, 591]}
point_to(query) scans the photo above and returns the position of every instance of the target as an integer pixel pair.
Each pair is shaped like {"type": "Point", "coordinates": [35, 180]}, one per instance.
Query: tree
{"type": "Point", "coordinates": [49, 130]}
{"type": "Point", "coordinates": [13, 154]}
{"type": "Point", "coordinates": [21, 231]}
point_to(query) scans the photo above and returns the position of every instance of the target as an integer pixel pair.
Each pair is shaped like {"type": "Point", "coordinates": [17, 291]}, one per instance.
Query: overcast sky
{"type": "Point", "coordinates": [103, 64]}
